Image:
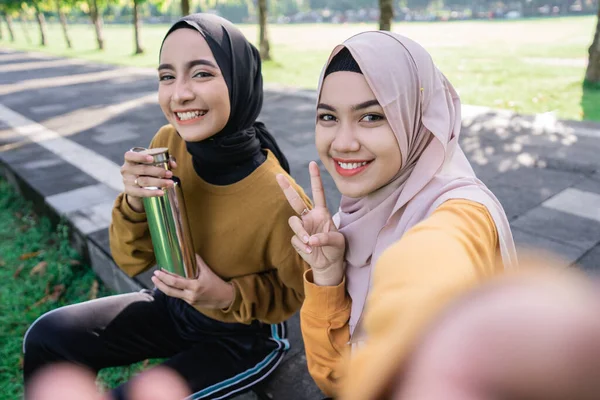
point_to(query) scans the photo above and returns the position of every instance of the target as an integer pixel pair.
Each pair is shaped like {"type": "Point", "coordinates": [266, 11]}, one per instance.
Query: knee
{"type": "Point", "coordinates": [44, 333]}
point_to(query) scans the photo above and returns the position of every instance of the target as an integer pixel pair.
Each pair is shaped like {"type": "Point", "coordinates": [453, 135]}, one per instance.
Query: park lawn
{"type": "Point", "coordinates": [29, 243]}
{"type": "Point", "coordinates": [529, 66]}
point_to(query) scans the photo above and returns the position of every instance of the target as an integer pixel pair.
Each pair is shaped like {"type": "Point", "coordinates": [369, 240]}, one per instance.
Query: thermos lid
{"type": "Point", "coordinates": [160, 154]}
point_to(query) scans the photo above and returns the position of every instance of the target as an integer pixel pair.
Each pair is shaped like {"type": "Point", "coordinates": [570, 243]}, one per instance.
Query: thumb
{"type": "Point", "coordinates": [333, 239]}
{"type": "Point", "coordinates": [200, 263]}
{"type": "Point", "coordinates": [172, 162]}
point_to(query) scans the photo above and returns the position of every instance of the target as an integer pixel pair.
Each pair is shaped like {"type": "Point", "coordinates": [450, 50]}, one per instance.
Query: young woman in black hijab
{"type": "Point", "coordinates": [225, 330]}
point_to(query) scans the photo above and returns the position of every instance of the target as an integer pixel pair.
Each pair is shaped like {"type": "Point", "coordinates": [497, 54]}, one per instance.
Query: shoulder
{"type": "Point", "coordinates": [460, 221]}
{"type": "Point", "coordinates": [462, 212]}
{"type": "Point", "coordinates": [165, 137]}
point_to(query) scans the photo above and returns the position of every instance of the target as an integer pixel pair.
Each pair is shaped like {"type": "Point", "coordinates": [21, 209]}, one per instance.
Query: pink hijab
{"type": "Point", "coordinates": [423, 110]}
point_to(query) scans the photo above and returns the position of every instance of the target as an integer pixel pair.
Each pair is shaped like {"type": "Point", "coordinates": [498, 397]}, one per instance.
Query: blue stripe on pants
{"type": "Point", "coordinates": [244, 380]}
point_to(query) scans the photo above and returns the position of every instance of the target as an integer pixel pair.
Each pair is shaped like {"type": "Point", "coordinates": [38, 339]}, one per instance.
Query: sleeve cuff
{"type": "Point", "coordinates": [237, 299]}
{"type": "Point", "coordinates": [324, 301]}
{"type": "Point", "coordinates": [129, 213]}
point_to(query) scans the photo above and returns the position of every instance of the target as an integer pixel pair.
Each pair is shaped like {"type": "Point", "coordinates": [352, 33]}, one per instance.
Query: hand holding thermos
{"type": "Point", "coordinates": [139, 173]}
{"type": "Point", "coordinates": [151, 187]}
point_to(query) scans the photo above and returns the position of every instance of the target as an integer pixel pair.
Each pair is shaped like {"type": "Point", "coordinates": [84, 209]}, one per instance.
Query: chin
{"type": "Point", "coordinates": [193, 134]}
{"type": "Point", "coordinates": [353, 190]}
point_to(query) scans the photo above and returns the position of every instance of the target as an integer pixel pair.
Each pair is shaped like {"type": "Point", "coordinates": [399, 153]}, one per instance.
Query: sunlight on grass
{"type": "Point", "coordinates": [529, 66]}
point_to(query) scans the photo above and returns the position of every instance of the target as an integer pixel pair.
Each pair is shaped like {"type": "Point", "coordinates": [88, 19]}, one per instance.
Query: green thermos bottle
{"type": "Point", "coordinates": [169, 226]}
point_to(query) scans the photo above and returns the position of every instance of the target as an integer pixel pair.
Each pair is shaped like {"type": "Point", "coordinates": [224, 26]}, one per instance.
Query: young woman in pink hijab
{"type": "Point", "coordinates": [388, 126]}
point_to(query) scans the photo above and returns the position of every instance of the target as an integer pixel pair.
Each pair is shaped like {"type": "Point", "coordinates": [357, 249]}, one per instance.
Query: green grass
{"type": "Point", "coordinates": [529, 66]}
{"type": "Point", "coordinates": [26, 240]}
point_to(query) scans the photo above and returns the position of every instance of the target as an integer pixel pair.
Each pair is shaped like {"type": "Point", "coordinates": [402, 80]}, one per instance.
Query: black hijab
{"type": "Point", "coordinates": [234, 152]}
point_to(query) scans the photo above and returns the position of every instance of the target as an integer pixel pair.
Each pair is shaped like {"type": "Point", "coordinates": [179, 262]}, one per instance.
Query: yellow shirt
{"type": "Point", "coordinates": [240, 230]}
{"type": "Point", "coordinates": [454, 248]}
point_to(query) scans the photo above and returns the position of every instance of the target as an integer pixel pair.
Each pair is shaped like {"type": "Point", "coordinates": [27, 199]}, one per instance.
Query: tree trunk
{"type": "Point", "coordinates": [386, 14]}
{"type": "Point", "coordinates": [185, 7]}
{"type": "Point", "coordinates": [136, 28]}
{"type": "Point", "coordinates": [263, 36]}
{"type": "Point", "coordinates": [42, 23]}
{"type": "Point", "coordinates": [592, 75]}
{"type": "Point", "coordinates": [9, 25]}
{"type": "Point", "coordinates": [63, 23]}
{"type": "Point", "coordinates": [97, 21]}
{"type": "Point", "coordinates": [25, 30]}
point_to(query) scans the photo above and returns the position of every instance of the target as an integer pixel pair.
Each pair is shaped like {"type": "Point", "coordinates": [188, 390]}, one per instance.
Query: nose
{"type": "Point", "coordinates": [345, 140]}
{"type": "Point", "coordinates": [183, 92]}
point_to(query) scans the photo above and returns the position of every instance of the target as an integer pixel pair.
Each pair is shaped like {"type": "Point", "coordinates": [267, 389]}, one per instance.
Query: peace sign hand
{"type": "Point", "coordinates": [316, 238]}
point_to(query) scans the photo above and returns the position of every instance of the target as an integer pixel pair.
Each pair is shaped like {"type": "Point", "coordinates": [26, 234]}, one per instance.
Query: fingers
{"type": "Point", "coordinates": [63, 381]}
{"type": "Point", "coordinates": [172, 163]}
{"type": "Point", "coordinates": [172, 280]}
{"type": "Point", "coordinates": [148, 181]}
{"type": "Point", "coordinates": [158, 383]}
{"type": "Point", "coordinates": [316, 185]}
{"type": "Point", "coordinates": [135, 187]}
{"type": "Point", "coordinates": [333, 239]}
{"type": "Point", "coordinates": [298, 228]}
{"type": "Point", "coordinates": [164, 271]}
{"type": "Point", "coordinates": [291, 195]}
{"type": "Point", "coordinates": [170, 285]}
{"type": "Point", "coordinates": [300, 247]}
{"type": "Point", "coordinates": [136, 165]}
{"type": "Point", "coordinates": [169, 291]}
{"type": "Point", "coordinates": [137, 176]}
{"type": "Point", "coordinates": [137, 158]}
{"type": "Point", "coordinates": [200, 261]}
{"type": "Point", "coordinates": [146, 170]}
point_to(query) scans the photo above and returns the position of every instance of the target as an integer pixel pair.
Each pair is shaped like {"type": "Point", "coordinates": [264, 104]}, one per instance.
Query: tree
{"type": "Point", "coordinates": [39, 15]}
{"type": "Point", "coordinates": [592, 75]}
{"type": "Point", "coordinates": [9, 25]}
{"type": "Point", "coordinates": [386, 14]}
{"type": "Point", "coordinates": [137, 26]}
{"type": "Point", "coordinates": [185, 7]}
{"type": "Point", "coordinates": [9, 8]}
{"type": "Point", "coordinates": [263, 37]}
{"type": "Point", "coordinates": [96, 18]}
{"type": "Point", "coordinates": [63, 22]}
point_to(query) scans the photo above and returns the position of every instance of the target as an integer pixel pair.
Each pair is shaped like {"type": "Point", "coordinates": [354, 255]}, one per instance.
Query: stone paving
{"type": "Point", "coordinates": [65, 124]}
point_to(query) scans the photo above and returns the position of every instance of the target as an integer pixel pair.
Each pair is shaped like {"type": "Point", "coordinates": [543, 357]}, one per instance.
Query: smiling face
{"type": "Point", "coordinates": [192, 92]}
{"type": "Point", "coordinates": [353, 137]}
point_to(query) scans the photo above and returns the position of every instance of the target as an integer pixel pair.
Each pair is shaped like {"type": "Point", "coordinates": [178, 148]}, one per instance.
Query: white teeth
{"type": "Point", "coordinates": [351, 165]}
{"type": "Point", "coordinates": [190, 114]}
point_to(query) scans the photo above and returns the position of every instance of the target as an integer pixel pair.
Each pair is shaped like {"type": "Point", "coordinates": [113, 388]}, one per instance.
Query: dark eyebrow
{"type": "Point", "coordinates": [356, 107]}
{"type": "Point", "coordinates": [201, 62]}
{"type": "Point", "coordinates": [165, 66]}
{"type": "Point", "coordinates": [365, 104]}
{"type": "Point", "coordinates": [190, 64]}
{"type": "Point", "coordinates": [326, 107]}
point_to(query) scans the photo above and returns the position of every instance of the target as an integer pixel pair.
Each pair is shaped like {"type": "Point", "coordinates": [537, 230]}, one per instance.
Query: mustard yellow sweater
{"type": "Point", "coordinates": [453, 249]}
{"type": "Point", "coordinates": [240, 230]}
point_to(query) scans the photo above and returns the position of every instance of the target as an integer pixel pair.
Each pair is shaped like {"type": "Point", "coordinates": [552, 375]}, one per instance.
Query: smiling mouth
{"type": "Point", "coordinates": [350, 167]}
{"type": "Point", "coordinates": [189, 116]}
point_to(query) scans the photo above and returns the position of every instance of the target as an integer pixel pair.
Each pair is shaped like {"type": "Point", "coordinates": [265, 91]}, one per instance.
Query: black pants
{"type": "Point", "coordinates": [218, 360]}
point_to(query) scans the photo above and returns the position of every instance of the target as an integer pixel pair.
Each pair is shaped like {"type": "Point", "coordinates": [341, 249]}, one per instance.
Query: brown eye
{"type": "Point", "coordinates": [326, 117]}
{"type": "Point", "coordinates": [203, 74]}
{"type": "Point", "coordinates": [372, 118]}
